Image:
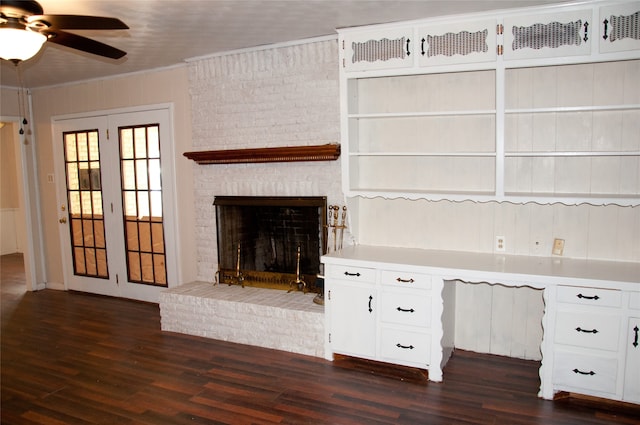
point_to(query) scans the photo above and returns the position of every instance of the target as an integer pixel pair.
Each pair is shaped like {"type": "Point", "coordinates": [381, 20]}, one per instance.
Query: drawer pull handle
{"type": "Point", "coordinates": [406, 347]}
{"type": "Point", "coordinates": [591, 373]}
{"type": "Point", "coordinates": [351, 274]}
{"type": "Point", "coordinates": [370, 299]}
{"type": "Point", "coordinates": [412, 310]}
{"type": "Point", "coordinates": [405, 280]}
{"type": "Point", "coordinates": [586, 297]}
{"type": "Point", "coordinates": [635, 340]}
{"type": "Point", "coordinates": [587, 331]}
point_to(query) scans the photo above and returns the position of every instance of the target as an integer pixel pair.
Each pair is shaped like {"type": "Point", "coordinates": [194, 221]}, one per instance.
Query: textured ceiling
{"type": "Point", "coordinates": [166, 32]}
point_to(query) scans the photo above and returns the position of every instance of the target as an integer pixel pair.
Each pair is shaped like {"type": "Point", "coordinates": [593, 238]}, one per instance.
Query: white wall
{"type": "Point", "coordinates": [593, 232]}
{"type": "Point", "coordinates": [150, 88]}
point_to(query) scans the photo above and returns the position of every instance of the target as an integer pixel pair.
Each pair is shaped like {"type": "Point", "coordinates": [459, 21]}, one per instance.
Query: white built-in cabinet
{"type": "Point", "coordinates": [393, 313]}
{"type": "Point", "coordinates": [397, 305]}
{"type": "Point", "coordinates": [631, 387]}
{"type": "Point", "coordinates": [539, 104]}
{"type": "Point", "coordinates": [595, 347]}
{"type": "Point", "coordinates": [355, 301]}
{"type": "Point", "coordinates": [525, 105]}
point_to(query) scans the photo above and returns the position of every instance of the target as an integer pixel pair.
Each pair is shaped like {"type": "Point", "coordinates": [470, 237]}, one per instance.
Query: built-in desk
{"type": "Point", "coordinates": [397, 305]}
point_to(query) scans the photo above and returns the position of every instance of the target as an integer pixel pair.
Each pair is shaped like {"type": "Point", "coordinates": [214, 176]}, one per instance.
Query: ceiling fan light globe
{"type": "Point", "coordinates": [20, 44]}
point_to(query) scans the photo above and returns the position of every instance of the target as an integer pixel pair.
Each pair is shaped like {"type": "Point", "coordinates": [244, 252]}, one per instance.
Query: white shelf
{"type": "Point", "coordinates": [425, 154]}
{"type": "Point", "coordinates": [561, 109]}
{"type": "Point", "coordinates": [422, 114]}
{"type": "Point", "coordinates": [571, 154]}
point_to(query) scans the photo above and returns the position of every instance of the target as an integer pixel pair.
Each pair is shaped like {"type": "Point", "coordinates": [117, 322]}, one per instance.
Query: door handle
{"type": "Point", "coordinates": [63, 220]}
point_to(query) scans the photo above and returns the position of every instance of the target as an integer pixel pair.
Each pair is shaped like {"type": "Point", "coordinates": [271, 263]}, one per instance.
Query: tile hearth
{"type": "Point", "coordinates": [255, 316]}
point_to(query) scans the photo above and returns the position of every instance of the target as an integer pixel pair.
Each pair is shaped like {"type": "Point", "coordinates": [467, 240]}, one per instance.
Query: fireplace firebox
{"type": "Point", "coordinates": [270, 242]}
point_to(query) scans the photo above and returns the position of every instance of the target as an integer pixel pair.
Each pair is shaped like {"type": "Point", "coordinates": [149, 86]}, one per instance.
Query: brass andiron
{"type": "Point", "coordinates": [238, 278]}
{"type": "Point", "coordinates": [298, 282]}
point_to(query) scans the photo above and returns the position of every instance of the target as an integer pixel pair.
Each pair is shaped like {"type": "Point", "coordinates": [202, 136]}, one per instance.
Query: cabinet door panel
{"type": "Point", "coordinates": [353, 320]}
{"type": "Point", "coordinates": [632, 370]}
{"type": "Point", "coordinates": [455, 43]}
{"type": "Point", "coordinates": [378, 50]}
{"type": "Point", "coordinates": [619, 27]}
{"type": "Point", "coordinates": [553, 35]}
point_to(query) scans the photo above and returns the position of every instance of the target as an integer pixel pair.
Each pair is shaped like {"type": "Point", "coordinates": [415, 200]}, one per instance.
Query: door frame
{"type": "Point", "coordinates": [169, 185]}
{"type": "Point", "coordinates": [29, 190]}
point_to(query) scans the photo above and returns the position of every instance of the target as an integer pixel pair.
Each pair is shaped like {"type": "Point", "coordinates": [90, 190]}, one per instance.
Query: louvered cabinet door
{"type": "Point", "coordinates": [549, 35]}
{"type": "Point", "coordinates": [456, 43]}
{"type": "Point", "coordinates": [619, 27]}
{"type": "Point", "coordinates": [381, 49]}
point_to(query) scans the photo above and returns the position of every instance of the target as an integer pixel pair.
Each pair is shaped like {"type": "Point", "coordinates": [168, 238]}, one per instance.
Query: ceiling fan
{"type": "Point", "coordinates": [24, 28]}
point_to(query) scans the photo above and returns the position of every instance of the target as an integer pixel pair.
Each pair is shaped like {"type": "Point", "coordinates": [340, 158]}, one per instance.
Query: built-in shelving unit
{"type": "Point", "coordinates": [533, 105]}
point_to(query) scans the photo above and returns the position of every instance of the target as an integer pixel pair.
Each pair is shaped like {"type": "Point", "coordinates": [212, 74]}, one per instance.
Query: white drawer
{"type": "Point", "coordinates": [634, 300]}
{"type": "Point", "coordinates": [405, 346]}
{"type": "Point", "coordinates": [585, 329]}
{"type": "Point", "coordinates": [405, 308]}
{"type": "Point", "coordinates": [406, 279]}
{"type": "Point", "coordinates": [589, 296]}
{"type": "Point", "coordinates": [584, 372]}
{"type": "Point", "coordinates": [354, 274]}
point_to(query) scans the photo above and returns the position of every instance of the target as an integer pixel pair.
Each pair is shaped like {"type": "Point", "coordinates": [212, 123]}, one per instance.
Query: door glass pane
{"type": "Point", "coordinates": [142, 204]}
{"type": "Point", "coordinates": [84, 198]}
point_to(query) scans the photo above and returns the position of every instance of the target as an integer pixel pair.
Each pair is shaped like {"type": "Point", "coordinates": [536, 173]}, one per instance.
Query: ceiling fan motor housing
{"type": "Point", "coordinates": [28, 15]}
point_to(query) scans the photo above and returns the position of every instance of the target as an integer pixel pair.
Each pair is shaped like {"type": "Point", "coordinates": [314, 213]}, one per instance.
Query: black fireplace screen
{"type": "Point", "coordinates": [259, 239]}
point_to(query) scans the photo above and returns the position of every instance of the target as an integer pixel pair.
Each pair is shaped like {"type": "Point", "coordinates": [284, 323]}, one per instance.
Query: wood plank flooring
{"type": "Point", "coordinates": [71, 358]}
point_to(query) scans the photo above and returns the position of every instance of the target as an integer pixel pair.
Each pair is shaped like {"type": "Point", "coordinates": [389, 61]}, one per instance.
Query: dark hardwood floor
{"type": "Point", "coordinates": [71, 358]}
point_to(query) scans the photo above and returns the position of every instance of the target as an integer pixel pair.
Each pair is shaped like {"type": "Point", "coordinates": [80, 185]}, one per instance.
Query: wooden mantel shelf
{"type": "Point", "coordinates": [328, 152]}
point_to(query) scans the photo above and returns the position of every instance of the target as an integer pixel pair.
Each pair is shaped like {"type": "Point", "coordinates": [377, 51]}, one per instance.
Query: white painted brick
{"type": "Point", "coordinates": [255, 316]}
{"type": "Point", "coordinates": [261, 99]}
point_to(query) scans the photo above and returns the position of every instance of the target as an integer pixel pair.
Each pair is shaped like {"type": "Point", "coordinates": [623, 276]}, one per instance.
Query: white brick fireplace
{"type": "Point", "coordinates": [257, 99]}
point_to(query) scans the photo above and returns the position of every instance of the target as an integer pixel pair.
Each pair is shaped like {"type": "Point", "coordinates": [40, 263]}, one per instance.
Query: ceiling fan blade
{"type": "Point", "coordinates": [79, 22]}
{"type": "Point", "coordinates": [86, 45]}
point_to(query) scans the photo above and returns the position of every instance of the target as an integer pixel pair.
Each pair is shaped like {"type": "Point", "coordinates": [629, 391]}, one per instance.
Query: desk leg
{"type": "Point", "coordinates": [546, 347]}
{"type": "Point", "coordinates": [443, 325]}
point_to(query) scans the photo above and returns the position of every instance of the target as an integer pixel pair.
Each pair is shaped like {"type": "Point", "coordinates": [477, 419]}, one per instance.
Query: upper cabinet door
{"type": "Point", "coordinates": [620, 27]}
{"type": "Point", "coordinates": [546, 36]}
{"type": "Point", "coordinates": [383, 49]}
{"type": "Point", "coordinates": [456, 43]}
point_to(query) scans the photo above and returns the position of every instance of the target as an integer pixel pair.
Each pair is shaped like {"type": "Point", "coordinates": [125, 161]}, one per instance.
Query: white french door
{"type": "Point", "coordinates": [115, 203]}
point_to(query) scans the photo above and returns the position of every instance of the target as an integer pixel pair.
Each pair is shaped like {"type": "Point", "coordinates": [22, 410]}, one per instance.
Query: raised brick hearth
{"type": "Point", "coordinates": [255, 316]}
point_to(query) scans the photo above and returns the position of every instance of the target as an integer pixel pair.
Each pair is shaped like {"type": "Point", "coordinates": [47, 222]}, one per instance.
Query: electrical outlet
{"type": "Point", "coordinates": [500, 243]}
{"type": "Point", "coordinates": [558, 246]}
